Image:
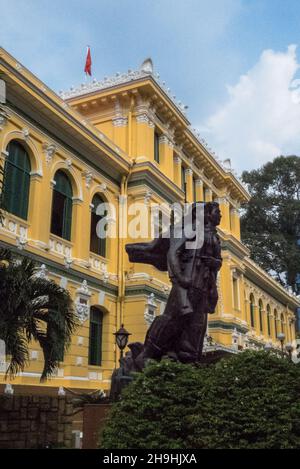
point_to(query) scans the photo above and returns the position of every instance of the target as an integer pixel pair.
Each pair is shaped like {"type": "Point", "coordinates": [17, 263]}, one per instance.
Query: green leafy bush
{"type": "Point", "coordinates": [251, 400]}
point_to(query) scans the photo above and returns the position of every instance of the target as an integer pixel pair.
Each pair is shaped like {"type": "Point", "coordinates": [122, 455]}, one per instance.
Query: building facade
{"type": "Point", "coordinates": [121, 141]}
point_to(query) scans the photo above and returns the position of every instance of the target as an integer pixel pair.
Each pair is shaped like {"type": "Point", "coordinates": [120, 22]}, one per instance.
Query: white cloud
{"type": "Point", "coordinates": [261, 117]}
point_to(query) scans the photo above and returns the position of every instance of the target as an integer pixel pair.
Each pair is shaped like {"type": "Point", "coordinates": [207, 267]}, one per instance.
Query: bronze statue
{"type": "Point", "coordinates": [180, 330]}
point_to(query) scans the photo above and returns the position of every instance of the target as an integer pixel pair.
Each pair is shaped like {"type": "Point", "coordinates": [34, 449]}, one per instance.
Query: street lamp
{"type": "Point", "coordinates": [122, 339]}
{"type": "Point", "coordinates": [289, 348]}
{"type": "Point", "coordinates": [281, 337]}
{"type": "Point", "coordinates": [268, 347]}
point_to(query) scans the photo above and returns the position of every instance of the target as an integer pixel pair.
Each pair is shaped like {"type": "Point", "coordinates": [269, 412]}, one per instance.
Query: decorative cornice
{"type": "Point", "coordinates": [120, 79]}
{"type": "Point", "coordinates": [129, 77]}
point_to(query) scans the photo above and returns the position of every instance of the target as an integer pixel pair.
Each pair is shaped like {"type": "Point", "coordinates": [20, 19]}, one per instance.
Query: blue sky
{"type": "Point", "coordinates": [228, 60]}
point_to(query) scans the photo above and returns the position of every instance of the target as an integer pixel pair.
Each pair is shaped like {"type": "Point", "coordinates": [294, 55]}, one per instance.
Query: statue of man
{"type": "Point", "coordinates": [179, 332]}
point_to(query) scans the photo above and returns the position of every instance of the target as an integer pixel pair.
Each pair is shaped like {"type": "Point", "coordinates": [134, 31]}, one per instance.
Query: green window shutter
{"type": "Point", "coordinates": [183, 178]}
{"type": "Point", "coordinates": [260, 318]}
{"type": "Point", "coordinates": [62, 205]}
{"type": "Point", "coordinates": [95, 342]}
{"type": "Point", "coordinates": [16, 183]}
{"type": "Point", "coordinates": [252, 314]}
{"type": "Point", "coordinates": [97, 245]}
{"type": "Point", "coordinates": [67, 221]}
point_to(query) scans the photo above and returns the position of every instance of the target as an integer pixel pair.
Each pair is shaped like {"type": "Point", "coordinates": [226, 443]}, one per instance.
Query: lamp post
{"type": "Point", "coordinates": [281, 337]}
{"type": "Point", "coordinates": [268, 347]}
{"type": "Point", "coordinates": [122, 339]}
{"type": "Point", "coordinates": [289, 348]}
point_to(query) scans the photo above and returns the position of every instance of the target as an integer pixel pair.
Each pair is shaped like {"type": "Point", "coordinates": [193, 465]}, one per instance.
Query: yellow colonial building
{"type": "Point", "coordinates": [121, 140]}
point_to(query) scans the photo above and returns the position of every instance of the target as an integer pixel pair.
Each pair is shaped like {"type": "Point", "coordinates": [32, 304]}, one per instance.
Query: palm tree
{"type": "Point", "coordinates": [33, 307]}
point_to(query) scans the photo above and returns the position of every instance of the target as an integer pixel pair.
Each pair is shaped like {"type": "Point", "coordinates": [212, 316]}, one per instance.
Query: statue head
{"type": "Point", "coordinates": [212, 213]}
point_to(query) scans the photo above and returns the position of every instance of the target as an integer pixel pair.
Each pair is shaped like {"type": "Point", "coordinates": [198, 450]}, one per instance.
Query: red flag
{"type": "Point", "coordinates": [88, 63]}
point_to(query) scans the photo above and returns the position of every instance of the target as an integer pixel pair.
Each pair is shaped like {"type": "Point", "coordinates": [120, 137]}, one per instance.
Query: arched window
{"type": "Point", "coordinates": [260, 309]}
{"type": "Point", "coordinates": [61, 220]}
{"type": "Point", "coordinates": [95, 343]}
{"type": "Point", "coordinates": [275, 323]}
{"type": "Point", "coordinates": [16, 182]}
{"type": "Point", "coordinates": [268, 319]}
{"type": "Point", "coordinates": [97, 245]}
{"type": "Point", "coordinates": [252, 311]}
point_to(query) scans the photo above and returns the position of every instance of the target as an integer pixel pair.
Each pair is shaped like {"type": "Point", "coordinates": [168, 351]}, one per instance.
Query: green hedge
{"type": "Point", "coordinates": [251, 400]}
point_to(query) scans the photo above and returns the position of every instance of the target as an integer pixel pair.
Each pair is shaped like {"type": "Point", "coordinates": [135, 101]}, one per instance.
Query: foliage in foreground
{"type": "Point", "coordinates": [33, 308]}
{"type": "Point", "coordinates": [251, 400]}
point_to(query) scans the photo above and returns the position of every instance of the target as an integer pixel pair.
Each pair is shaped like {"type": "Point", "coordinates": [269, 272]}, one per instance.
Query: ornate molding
{"type": "Point", "coordinates": [120, 121]}
{"type": "Point", "coordinates": [83, 290]}
{"type": "Point", "coordinates": [68, 262]}
{"type": "Point", "coordinates": [88, 175]}
{"type": "Point", "coordinates": [163, 140]}
{"type": "Point", "coordinates": [147, 197]}
{"type": "Point", "coordinates": [235, 211]}
{"type": "Point", "coordinates": [150, 309]}
{"type": "Point", "coordinates": [49, 150]}
{"type": "Point", "coordinates": [25, 133]}
{"type": "Point", "coordinates": [4, 116]}
{"type": "Point", "coordinates": [42, 272]}
{"type": "Point", "coordinates": [82, 302]}
{"type": "Point", "coordinates": [21, 241]}
{"type": "Point", "coordinates": [142, 118]}
{"type": "Point", "coordinates": [208, 192]}
{"type": "Point", "coordinates": [199, 183]}
{"type": "Point", "coordinates": [68, 162]}
{"type": "Point", "coordinates": [188, 172]}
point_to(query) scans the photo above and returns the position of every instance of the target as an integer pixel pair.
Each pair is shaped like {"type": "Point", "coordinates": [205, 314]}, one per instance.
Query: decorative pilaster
{"type": "Point", "coordinates": [166, 155]}
{"type": "Point", "coordinates": [235, 222]}
{"type": "Point", "coordinates": [80, 237]}
{"type": "Point", "coordinates": [199, 190]}
{"type": "Point", "coordinates": [224, 207]}
{"type": "Point", "coordinates": [177, 170]}
{"type": "Point", "coordinates": [208, 195]}
{"type": "Point", "coordinates": [189, 184]}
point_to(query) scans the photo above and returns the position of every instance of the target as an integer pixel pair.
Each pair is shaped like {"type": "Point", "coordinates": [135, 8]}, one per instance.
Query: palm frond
{"type": "Point", "coordinates": [33, 308]}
